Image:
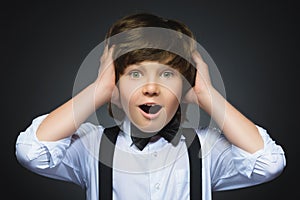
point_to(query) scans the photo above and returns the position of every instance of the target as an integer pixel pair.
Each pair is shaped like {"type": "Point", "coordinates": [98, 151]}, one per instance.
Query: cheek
{"type": "Point", "coordinates": [128, 92]}
{"type": "Point", "coordinates": [172, 104]}
{"type": "Point", "coordinates": [172, 97]}
{"type": "Point", "coordinates": [174, 90]}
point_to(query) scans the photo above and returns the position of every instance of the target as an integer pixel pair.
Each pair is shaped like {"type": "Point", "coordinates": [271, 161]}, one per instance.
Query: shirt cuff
{"type": "Point", "coordinates": [245, 161]}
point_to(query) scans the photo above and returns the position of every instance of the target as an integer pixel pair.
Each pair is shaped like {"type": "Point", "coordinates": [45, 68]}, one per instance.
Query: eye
{"type": "Point", "coordinates": [167, 74]}
{"type": "Point", "coordinates": [135, 74]}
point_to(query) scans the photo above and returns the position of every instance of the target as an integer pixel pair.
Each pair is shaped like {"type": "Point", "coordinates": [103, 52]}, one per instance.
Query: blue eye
{"type": "Point", "coordinates": [135, 74]}
{"type": "Point", "coordinates": [167, 74]}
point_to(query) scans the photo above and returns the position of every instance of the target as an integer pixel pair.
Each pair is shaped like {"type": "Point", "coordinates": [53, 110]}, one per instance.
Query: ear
{"type": "Point", "coordinates": [115, 97]}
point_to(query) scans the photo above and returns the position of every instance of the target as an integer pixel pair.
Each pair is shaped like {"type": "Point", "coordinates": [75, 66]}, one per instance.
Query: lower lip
{"type": "Point", "coordinates": [150, 116]}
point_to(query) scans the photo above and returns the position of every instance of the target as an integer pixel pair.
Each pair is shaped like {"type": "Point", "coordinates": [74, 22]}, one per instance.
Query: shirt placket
{"type": "Point", "coordinates": [155, 176]}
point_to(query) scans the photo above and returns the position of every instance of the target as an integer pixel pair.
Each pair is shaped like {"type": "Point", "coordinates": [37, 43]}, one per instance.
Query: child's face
{"type": "Point", "coordinates": [150, 93]}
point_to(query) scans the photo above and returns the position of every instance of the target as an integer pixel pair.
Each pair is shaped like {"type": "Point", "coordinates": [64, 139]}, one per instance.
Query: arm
{"type": "Point", "coordinates": [64, 120]}
{"type": "Point", "coordinates": [56, 159]}
{"type": "Point", "coordinates": [237, 128]}
{"type": "Point", "coordinates": [246, 155]}
{"type": "Point", "coordinates": [46, 146]}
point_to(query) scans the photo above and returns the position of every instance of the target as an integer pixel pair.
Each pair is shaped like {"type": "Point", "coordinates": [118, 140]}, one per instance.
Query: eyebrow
{"type": "Point", "coordinates": [143, 66]}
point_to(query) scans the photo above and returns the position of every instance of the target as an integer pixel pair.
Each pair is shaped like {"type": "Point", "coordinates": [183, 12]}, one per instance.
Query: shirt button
{"type": "Point", "coordinates": [155, 154]}
{"type": "Point", "coordinates": [157, 186]}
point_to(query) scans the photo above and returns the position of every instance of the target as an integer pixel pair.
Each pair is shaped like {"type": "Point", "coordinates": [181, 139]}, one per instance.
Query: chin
{"type": "Point", "coordinates": [150, 125]}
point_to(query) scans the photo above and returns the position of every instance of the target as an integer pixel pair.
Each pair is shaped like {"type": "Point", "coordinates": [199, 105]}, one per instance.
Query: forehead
{"type": "Point", "coordinates": [148, 65]}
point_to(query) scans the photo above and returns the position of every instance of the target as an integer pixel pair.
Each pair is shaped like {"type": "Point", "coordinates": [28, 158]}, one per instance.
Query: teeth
{"type": "Point", "coordinates": [150, 108]}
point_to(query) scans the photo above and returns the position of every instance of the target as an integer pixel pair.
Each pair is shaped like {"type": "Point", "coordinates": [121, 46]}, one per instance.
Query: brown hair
{"type": "Point", "coordinates": [134, 46]}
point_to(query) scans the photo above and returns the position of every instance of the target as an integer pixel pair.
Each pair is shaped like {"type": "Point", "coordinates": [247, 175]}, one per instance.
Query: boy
{"type": "Point", "coordinates": [151, 155]}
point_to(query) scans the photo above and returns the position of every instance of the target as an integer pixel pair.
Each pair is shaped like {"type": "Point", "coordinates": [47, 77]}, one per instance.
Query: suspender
{"type": "Point", "coordinates": [194, 147]}
{"type": "Point", "coordinates": [107, 148]}
{"type": "Point", "coordinates": [106, 154]}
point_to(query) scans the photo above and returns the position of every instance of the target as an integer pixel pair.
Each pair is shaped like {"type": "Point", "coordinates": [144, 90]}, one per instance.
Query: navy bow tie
{"type": "Point", "coordinates": [169, 132]}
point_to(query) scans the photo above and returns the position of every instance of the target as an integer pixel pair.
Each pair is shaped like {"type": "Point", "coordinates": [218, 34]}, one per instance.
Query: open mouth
{"type": "Point", "coordinates": [150, 108]}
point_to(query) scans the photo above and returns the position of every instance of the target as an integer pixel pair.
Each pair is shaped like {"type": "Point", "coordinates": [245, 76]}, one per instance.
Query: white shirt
{"type": "Point", "coordinates": [160, 171]}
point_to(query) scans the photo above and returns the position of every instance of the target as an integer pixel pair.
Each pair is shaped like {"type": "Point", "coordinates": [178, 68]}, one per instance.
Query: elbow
{"type": "Point", "coordinates": [277, 169]}
{"type": "Point", "coordinates": [272, 169]}
{"type": "Point", "coordinates": [22, 156]}
{"type": "Point", "coordinates": [28, 159]}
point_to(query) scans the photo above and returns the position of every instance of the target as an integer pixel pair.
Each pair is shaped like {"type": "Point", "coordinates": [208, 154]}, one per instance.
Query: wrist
{"type": "Point", "coordinates": [209, 99]}
{"type": "Point", "coordinates": [101, 94]}
{"type": "Point", "coordinates": [204, 98]}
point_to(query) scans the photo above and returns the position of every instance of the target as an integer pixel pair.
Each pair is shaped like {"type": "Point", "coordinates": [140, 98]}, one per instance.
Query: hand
{"type": "Point", "coordinates": [105, 83]}
{"type": "Point", "coordinates": [201, 92]}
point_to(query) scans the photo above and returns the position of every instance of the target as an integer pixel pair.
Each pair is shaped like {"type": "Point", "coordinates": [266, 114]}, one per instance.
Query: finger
{"type": "Point", "coordinates": [109, 53]}
{"type": "Point", "coordinates": [197, 57]}
{"type": "Point", "coordinates": [201, 66]}
{"type": "Point", "coordinates": [104, 54]}
{"type": "Point", "coordinates": [106, 59]}
{"type": "Point", "coordinates": [203, 75]}
{"type": "Point", "coordinates": [111, 50]}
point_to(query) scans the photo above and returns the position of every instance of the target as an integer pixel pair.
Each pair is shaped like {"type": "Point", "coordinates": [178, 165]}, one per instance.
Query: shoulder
{"type": "Point", "coordinates": [90, 130]}
{"type": "Point", "coordinates": [209, 134]}
{"type": "Point", "coordinates": [212, 139]}
{"type": "Point", "coordinates": [89, 135]}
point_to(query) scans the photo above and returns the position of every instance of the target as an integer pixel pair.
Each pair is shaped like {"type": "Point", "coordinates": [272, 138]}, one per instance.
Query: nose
{"type": "Point", "coordinates": [151, 89]}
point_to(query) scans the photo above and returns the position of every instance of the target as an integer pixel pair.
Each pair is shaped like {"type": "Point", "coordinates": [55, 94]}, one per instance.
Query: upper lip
{"type": "Point", "coordinates": [150, 104]}
{"type": "Point", "coordinates": [148, 109]}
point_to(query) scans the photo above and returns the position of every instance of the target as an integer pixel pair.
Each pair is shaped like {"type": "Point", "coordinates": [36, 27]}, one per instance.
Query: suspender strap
{"type": "Point", "coordinates": [106, 155]}
{"type": "Point", "coordinates": [194, 149]}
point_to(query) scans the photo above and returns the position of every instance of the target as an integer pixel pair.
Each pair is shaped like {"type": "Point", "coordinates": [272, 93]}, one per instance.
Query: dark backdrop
{"type": "Point", "coordinates": [254, 44]}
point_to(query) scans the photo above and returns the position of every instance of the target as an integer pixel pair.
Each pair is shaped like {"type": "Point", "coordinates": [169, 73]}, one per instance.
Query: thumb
{"type": "Point", "coordinates": [115, 97]}
{"type": "Point", "coordinates": [190, 97]}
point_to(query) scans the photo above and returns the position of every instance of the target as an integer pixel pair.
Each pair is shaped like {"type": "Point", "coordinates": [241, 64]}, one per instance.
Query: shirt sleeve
{"type": "Point", "coordinates": [59, 159]}
{"type": "Point", "coordinates": [232, 167]}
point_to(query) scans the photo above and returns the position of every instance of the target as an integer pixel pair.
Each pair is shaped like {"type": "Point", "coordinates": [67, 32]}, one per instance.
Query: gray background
{"type": "Point", "coordinates": [254, 44]}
